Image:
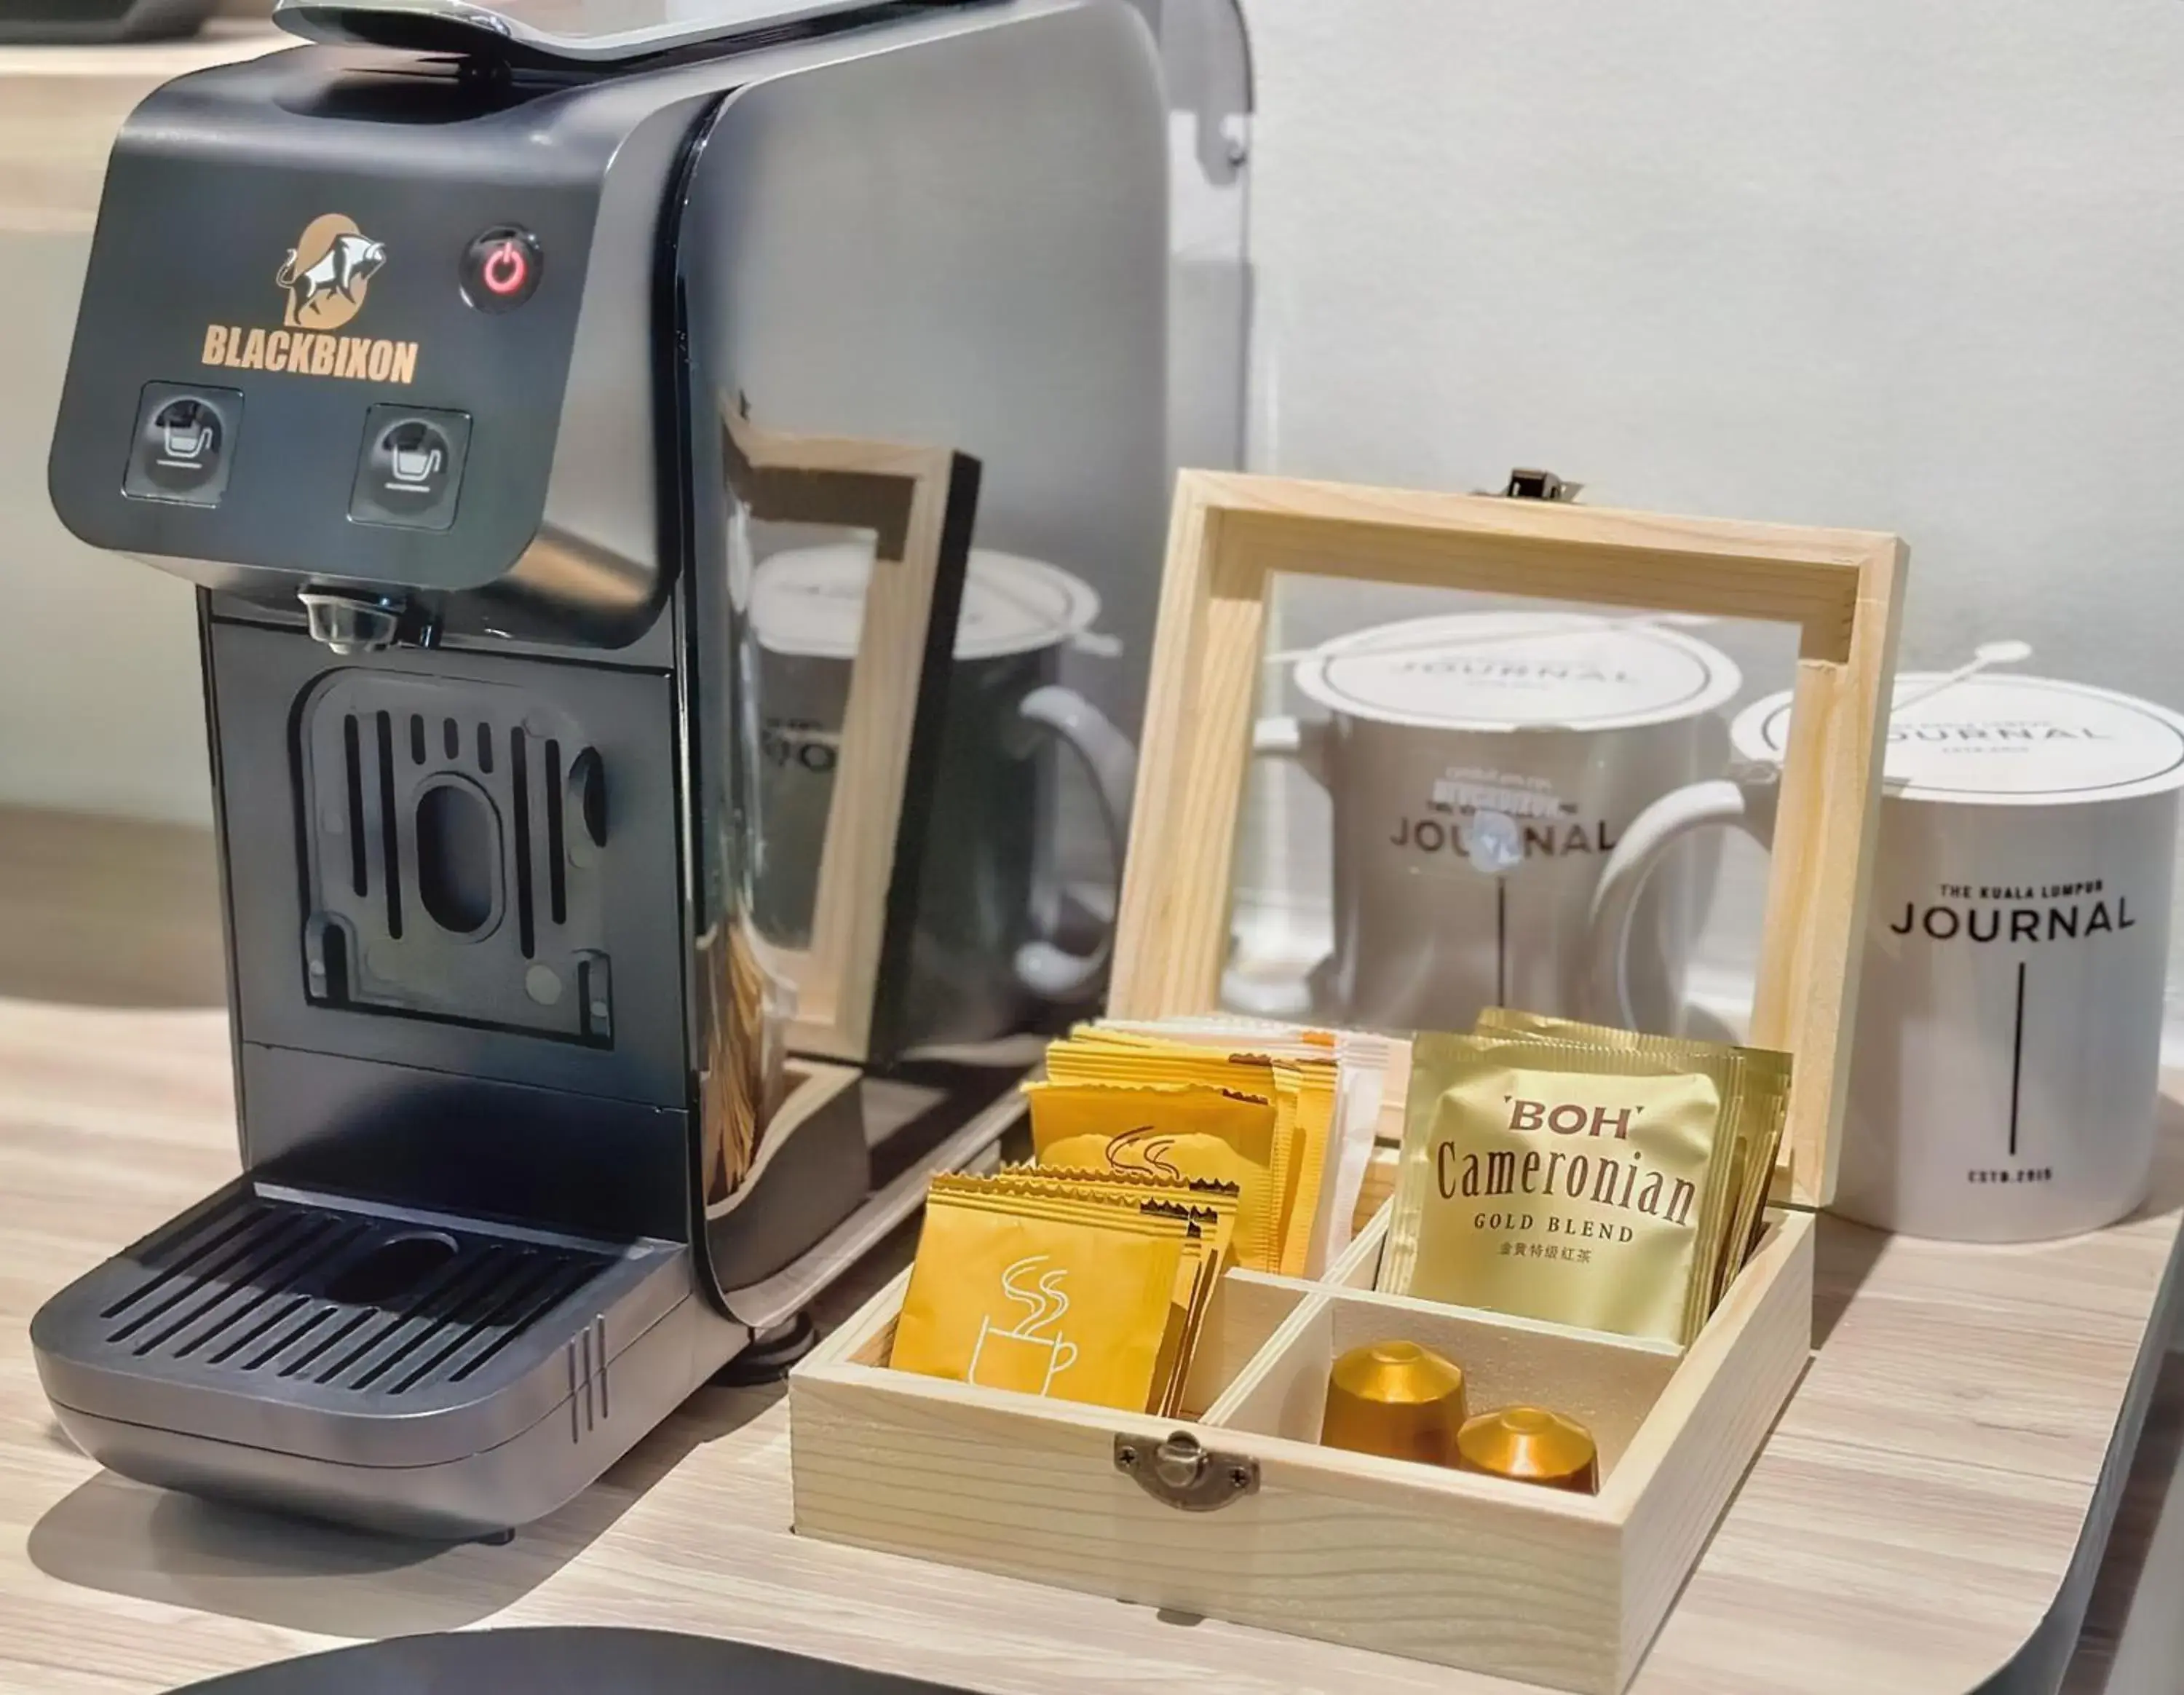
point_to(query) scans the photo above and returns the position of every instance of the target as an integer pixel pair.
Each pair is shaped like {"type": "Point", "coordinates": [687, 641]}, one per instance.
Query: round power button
{"type": "Point", "coordinates": [501, 269]}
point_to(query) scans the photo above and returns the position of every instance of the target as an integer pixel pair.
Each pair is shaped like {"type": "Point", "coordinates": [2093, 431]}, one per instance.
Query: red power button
{"type": "Point", "coordinates": [500, 269]}
{"type": "Point", "coordinates": [507, 269]}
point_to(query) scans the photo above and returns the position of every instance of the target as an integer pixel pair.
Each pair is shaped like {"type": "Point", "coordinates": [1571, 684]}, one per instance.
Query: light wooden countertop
{"type": "Point", "coordinates": [1931, 1510]}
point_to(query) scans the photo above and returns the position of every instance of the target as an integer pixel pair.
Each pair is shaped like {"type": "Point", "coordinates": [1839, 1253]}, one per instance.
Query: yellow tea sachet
{"type": "Point", "coordinates": [1560, 1180]}
{"type": "Point", "coordinates": [1209, 1203]}
{"type": "Point", "coordinates": [1096, 1056]}
{"type": "Point", "coordinates": [1178, 1131]}
{"type": "Point", "coordinates": [1208, 1208]}
{"type": "Point", "coordinates": [1321, 1081]}
{"type": "Point", "coordinates": [1302, 1090]}
{"type": "Point", "coordinates": [1071, 1298]}
{"type": "Point", "coordinates": [1756, 1128]}
{"type": "Point", "coordinates": [1314, 1129]}
{"type": "Point", "coordinates": [1202, 1260]}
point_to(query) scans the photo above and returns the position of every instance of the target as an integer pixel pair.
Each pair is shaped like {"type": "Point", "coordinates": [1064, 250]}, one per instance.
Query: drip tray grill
{"type": "Point", "coordinates": [324, 1327]}
{"type": "Point", "coordinates": [344, 1301]}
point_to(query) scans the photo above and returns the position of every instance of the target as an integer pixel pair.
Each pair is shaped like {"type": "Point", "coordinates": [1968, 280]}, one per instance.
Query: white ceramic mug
{"type": "Point", "coordinates": [2006, 1063]}
{"type": "Point", "coordinates": [1482, 767]}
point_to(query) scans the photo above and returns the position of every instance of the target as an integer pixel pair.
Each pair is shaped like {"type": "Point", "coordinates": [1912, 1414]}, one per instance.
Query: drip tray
{"type": "Point", "coordinates": [319, 1353]}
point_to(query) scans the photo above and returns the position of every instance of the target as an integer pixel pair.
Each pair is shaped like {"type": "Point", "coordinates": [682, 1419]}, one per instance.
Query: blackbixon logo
{"type": "Point", "coordinates": [327, 272]}
{"type": "Point", "coordinates": [324, 282]}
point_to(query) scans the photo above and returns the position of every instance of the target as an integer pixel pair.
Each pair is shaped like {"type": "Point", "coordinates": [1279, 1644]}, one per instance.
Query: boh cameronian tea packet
{"type": "Point", "coordinates": [1069, 1296]}
{"type": "Point", "coordinates": [1756, 1129]}
{"type": "Point", "coordinates": [1564, 1181]}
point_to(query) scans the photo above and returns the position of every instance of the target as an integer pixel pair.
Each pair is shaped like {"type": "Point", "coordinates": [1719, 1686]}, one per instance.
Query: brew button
{"type": "Point", "coordinates": [184, 451]}
{"type": "Point", "coordinates": [501, 268]}
{"type": "Point", "coordinates": [414, 457]}
{"type": "Point", "coordinates": [184, 443]}
{"type": "Point", "coordinates": [411, 469]}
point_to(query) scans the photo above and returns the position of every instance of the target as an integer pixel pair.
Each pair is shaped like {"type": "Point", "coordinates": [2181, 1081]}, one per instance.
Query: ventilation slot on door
{"type": "Point", "coordinates": [445, 881]}
{"type": "Point", "coordinates": [390, 840]}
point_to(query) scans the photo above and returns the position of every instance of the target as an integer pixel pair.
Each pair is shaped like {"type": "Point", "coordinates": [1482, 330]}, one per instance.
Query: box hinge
{"type": "Point", "coordinates": [1182, 1472]}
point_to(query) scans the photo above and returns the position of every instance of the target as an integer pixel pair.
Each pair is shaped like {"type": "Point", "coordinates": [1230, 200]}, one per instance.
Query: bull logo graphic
{"type": "Point", "coordinates": [327, 273]}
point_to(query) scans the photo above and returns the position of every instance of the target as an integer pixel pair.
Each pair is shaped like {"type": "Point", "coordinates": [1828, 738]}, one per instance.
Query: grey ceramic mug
{"type": "Point", "coordinates": [1482, 767]}
{"type": "Point", "coordinates": [987, 950]}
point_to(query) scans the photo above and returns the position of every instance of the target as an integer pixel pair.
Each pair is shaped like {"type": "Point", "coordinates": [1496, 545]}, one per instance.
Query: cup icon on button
{"type": "Point", "coordinates": [188, 436]}
{"type": "Point", "coordinates": [413, 454]}
{"type": "Point", "coordinates": [415, 464]}
{"type": "Point", "coordinates": [185, 441]}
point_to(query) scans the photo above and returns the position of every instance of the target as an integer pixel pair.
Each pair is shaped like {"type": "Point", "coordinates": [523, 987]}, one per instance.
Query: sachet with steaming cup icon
{"type": "Point", "coordinates": [1088, 1296]}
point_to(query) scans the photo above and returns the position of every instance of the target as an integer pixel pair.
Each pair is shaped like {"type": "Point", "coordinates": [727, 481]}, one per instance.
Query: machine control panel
{"type": "Point", "coordinates": [401, 355]}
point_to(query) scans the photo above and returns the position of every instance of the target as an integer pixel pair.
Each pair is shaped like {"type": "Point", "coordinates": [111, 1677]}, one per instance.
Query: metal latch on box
{"type": "Point", "coordinates": [1538, 485]}
{"type": "Point", "coordinates": [1182, 1472]}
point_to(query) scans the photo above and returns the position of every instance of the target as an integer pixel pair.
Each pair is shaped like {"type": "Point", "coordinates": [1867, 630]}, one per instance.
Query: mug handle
{"type": "Point", "coordinates": [1044, 967]}
{"type": "Point", "coordinates": [1746, 801]}
{"type": "Point", "coordinates": [1297, 741]}
{"type": "Point", "coordinates": [1303, 743]}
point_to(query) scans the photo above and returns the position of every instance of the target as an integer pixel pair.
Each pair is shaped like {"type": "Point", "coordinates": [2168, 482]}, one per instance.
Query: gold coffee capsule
{"type": "Point", "coordinates": [1531, 1445]}
{"type": "Point", "coordinates": [1395, 1398]}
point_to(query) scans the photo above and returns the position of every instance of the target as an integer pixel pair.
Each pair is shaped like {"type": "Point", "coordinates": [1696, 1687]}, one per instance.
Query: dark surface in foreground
{"type": "Point", "coordinates": [559, 1662]}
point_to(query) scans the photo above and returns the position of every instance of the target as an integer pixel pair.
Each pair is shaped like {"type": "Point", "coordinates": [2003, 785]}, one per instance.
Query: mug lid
{"type": "Point", "coordinates": [2003, 740]}
{"type": "Point", "coordinates": [1515, 671]}
{"type": "Point", "coordinates": [810, 601]}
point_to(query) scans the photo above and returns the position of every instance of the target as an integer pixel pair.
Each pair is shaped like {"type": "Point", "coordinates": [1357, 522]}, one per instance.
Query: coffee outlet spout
{"type": "Point", "coordinates": [351, 623]}
{"type": "Point", "coordinates": [552, 1097]}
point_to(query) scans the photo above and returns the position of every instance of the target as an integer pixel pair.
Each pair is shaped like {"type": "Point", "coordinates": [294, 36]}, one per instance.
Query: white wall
{"type": "Point", "coordinates": [1906, 264]}
{"type": "Point", "coordinates": [99, 703]}
{"type": "Point", "coordinates": [1909, 264]}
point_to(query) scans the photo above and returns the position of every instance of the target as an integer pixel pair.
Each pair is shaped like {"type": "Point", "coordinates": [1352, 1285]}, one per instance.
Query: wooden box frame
{"type": "Point", "coordinates": [1231, 535]}
{"type": "Point", "coordinates": [918, 501]}
{"type": "Point", "coordinates": [1408, 1559]}
{"type": "Point", "coordinates": [1494, 1576]}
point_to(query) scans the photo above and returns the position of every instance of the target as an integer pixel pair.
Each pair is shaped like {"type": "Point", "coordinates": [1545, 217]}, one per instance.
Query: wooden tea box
{"type": "Point", "coordinates": [1235, 1511]}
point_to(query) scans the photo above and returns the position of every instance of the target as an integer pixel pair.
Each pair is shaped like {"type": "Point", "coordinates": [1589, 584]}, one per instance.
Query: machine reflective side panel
{"type": "Point", "coordinates": [950, 255]}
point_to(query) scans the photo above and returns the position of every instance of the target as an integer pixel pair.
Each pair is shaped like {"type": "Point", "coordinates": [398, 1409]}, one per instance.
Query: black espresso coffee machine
{"type": "Point", "coordinates": [666, 480]}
